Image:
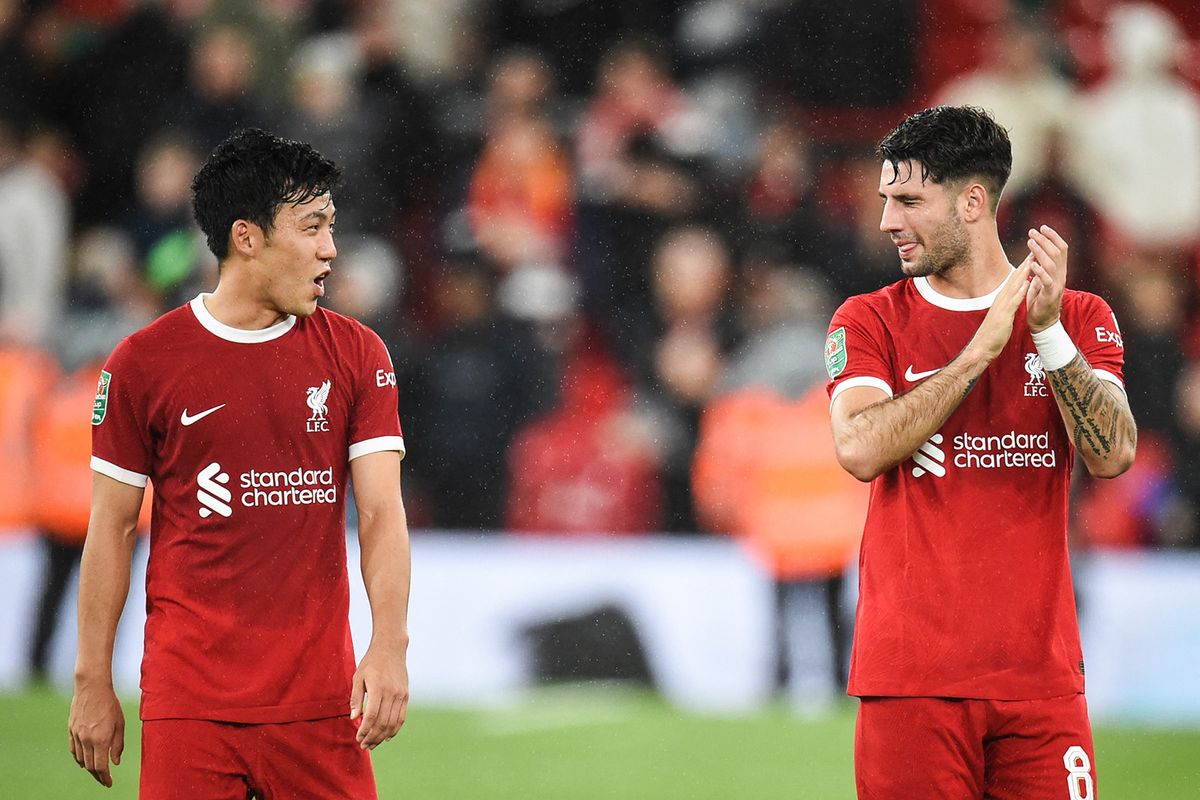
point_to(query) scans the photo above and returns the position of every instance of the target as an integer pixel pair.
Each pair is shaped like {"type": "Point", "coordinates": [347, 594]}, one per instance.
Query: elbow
{"type": "Point", "coordinates": [1117, 463]}
{"type": "Point", "coordinates": [860, 463]}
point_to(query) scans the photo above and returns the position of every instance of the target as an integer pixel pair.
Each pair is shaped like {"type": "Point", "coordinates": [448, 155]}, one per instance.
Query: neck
{"type": "Point", "coordinates": [986, 268]}
{"type": "Point", "coordinates": [236, 304]}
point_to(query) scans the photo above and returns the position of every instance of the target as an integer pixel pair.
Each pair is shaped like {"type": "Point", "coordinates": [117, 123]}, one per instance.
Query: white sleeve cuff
{"type": "Point", "coordinates": [1105, 375]}
{"type": "Point", "coordinates": [377, 445]}
{"type": "Point", "coordinates": [865, 380]}
{"type": "Point", "coordinates": [119, 473]}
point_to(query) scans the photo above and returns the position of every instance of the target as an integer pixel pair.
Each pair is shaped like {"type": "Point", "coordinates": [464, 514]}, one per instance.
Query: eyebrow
{"type": "Point", "coordinates": [319, 215]}
{"type": "Point", "coordinates": [901, 197]}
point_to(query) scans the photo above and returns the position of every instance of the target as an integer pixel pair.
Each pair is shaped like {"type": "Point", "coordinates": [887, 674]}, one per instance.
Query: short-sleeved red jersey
{"type": "Point", "coordinates": [247, 437]}
{"type": "Point", "coordinates": [965, 586]}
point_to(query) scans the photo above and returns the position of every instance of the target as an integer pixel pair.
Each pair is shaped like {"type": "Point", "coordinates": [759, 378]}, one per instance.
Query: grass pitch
{"type": "Point", "coordinates": [588, 745]}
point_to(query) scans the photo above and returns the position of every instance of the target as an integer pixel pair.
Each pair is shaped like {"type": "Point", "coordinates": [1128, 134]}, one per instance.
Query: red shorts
{"type": "Point", "coordinates": [185, 759]}
{"type": "Point", "coordinates": [924, 748]}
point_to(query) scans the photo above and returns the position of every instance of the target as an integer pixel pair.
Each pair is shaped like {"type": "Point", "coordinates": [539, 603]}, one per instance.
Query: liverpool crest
{"type": "Point", "coordinates": [318, 399]}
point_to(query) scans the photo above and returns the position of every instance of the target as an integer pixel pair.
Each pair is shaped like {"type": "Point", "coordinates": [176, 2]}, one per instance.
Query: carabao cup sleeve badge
{"type": "Point", "coordinates": [100, 406]}
{"type": "Point", "coordinates": [835, 352]}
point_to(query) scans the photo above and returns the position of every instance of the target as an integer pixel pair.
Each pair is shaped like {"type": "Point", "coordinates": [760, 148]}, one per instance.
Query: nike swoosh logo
{"type": "Point", "coordinates": [186, 420]}
{"type": "Point", "coordinates": [909, 375]}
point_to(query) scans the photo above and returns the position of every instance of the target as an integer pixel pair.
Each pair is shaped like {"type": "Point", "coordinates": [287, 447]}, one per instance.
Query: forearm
{"type": "Point", "coordinates": [103, 588]}
{"type": "Point", "coordinates": [1097, 417]}
{"type": "Point", "coordinates": [878, 437]}
{"type": "Point", "coordinates": [385, 563]}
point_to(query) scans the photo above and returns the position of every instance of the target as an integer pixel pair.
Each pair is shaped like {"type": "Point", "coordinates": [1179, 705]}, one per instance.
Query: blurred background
{"type": "Point", "coordinates": [602, 240]}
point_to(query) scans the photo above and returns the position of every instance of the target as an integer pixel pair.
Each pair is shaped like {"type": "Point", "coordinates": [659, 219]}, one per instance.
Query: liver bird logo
{"type": "Point", "coordinates": [1033, 365]}
{"type": "Point", "coordinates": [317, 397]}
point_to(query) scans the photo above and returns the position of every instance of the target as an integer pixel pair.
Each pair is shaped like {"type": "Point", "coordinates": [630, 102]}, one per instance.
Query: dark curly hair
{"type": "Point", "coordinates": [952, 143]}
{"type": "Point", "coordinates": [249, 176]}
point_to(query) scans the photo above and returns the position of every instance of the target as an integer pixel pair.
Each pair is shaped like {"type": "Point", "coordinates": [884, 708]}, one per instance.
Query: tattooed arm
{"type": "Point", "coordinates": [1097, 417]}
{"type": "Point", "coordinates": [1095, 411]}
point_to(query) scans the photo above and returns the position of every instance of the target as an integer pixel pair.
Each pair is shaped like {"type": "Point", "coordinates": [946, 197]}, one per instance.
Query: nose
{"type": "Point", "coordinates": [889, 221]}
{"type": "Point", "coordinates": [328, 250]}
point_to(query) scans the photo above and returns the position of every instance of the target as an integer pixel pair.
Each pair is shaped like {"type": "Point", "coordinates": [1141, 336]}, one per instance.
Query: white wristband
{"type": "Point", "coordinates": [1055, 347]}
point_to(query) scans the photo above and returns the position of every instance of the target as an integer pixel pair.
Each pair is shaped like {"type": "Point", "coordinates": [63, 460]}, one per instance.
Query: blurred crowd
{"type": "Point", "coordinates": [602, 238]}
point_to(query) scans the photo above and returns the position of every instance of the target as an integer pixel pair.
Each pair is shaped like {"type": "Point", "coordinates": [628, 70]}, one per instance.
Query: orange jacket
{"type": "Point", "coordinates": [25, 375]}
{"type": "Point", "coordinates": [61, 479]}
{"type": "Point", "coordinates": [765, 471]}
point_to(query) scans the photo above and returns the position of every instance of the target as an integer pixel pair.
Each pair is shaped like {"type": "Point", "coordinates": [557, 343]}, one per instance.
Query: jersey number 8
{"type": "Point", "coordinates": [1079, 773]}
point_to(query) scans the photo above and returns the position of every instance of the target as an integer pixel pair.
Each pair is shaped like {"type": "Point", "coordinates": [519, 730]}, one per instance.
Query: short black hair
{"type": "Point", "coordinates": [249, 176]}
{"type": "Point", "coordinates": [952, 143]}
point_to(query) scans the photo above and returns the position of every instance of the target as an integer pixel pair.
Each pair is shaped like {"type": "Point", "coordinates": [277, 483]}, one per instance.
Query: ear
{"type": "Point", "coordinates": [973, 202]}
{"type": "Point", "coordinates": [245, 238]}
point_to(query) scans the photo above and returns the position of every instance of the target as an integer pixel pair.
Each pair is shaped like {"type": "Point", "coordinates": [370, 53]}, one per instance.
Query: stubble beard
{"type": "Point", "coordinates": [951, 247]}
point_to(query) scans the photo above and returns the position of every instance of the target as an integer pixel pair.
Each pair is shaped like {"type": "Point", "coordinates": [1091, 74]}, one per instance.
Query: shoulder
{"type": "Point", "coordinates": [880, 304]}
{"type": "Point", "coordinates": [1077, 299]}
{"type": "Point", "coordinates": [158, 334]}
{"type": "Point", "coordinates": [361, 347]}
{"type": "Point", "coordinates": [1085, 307]}
{"type": "Point", "coordinates": [1086, 315]}
{"type": "Point", "coordinates": [340, 326]}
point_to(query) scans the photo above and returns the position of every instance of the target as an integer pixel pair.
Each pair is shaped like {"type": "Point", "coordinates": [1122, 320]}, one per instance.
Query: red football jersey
{"type": "Point", "coordinates": [247, 436]}
{"type": "Point", "coordinates": [965, 586]}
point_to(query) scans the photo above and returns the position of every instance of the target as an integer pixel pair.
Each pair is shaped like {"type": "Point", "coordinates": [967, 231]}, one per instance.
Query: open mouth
{"type": "Point", "coordinates": [319, 283]}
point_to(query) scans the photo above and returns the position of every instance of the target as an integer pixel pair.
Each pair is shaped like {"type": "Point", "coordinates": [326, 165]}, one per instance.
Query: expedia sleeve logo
{"type": "Point", "coordinates": [100, 406]}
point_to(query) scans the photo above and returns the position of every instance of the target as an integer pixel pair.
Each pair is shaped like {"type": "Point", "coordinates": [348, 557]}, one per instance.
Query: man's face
{"type": "Point", "coordinates": [921, 218]}
{"type": "Point", "coordinates": [297, 256]}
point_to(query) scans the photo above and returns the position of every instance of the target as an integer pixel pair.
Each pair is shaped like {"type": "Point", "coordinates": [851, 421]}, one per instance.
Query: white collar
{"type": "Point", "coordinates": [231, 334]}
{"type": "Point", "coordinates": [934, 297]}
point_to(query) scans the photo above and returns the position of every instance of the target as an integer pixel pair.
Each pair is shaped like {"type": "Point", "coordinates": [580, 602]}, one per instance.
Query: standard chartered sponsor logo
{"type": "Point", "coordinates": [1010, 450]}
{"type": "Point", "coordinates": [213, 496]}
{"type": "Point", "coordinates": [930, 458]}
{"type": "Point", "coordinates": [297, 487]}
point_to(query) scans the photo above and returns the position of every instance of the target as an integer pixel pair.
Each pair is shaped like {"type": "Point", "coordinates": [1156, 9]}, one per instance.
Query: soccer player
{"type": "Point", "coordinates": [249, 409]}
{"type": "Point", "coordinates": [964, 392]}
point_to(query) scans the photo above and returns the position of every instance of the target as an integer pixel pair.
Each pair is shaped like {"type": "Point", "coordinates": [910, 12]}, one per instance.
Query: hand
{"type": "Point", "coordinates": [996, 328]}
{"type": "Point", "coordinates": [97, 728]}
{"type": "Point", "coordinates": [1043, 302]}
{"type": "Point", "coordinates": [382, 677]}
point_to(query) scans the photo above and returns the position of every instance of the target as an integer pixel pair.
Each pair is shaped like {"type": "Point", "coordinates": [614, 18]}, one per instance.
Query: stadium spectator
{"type": "Point", "coordinates": [328, 110]}
{"type": "Point", "coordinates": [221, 94]}
{"type": "Point", "coordinates": [1021, 89]}
{"type": "Point", "coordinates": [1136, 150]}
{"type": "Point", "coordinates": [35, 221]}
{"type": "Point", "coordinates": [868, 261]}
{"type": "Point", "coordinates": [481, 376]}
{"type": "Point", "coordinates": [108, 298]}
{"type": "Point", "coordinates": [676, 352]}
{"type": "Point", "coordinates": [633, 146]}
{"type": "Point", "coordinates": [519, 202]}
{"type": "Point", "coordinates": [588, 466]}
{"type": "Point", "coordinates": [1151, 300]}
{"type": "Point", "coordinates": [409, 151]}
{"type": "Point", "coordinates": [160, 223]}
{"type": "Point", "coordinates": [61, 491]}
{"type": "Point", "coordinates": [122, 93]}
{"type": "Point", "coordinates": [1055, 201]}
{"type": "Point", "coordinates": [1186, 445]}
{"type": "Point", "coordinates": [780, 203]}
{"type": "Point", "coordinates": [791, 505]}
